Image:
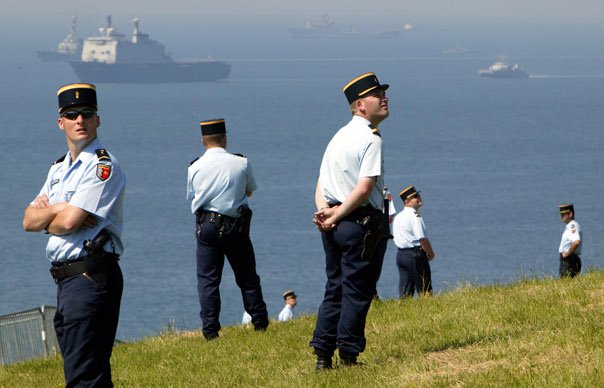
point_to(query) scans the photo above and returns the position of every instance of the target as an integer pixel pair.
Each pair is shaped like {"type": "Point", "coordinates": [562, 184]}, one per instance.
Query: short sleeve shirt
{"type": "Point", "coordinates": [354, 152]}
{"type": "Point", "coordinates": [572, 232]}
{"type": "Point", "coordinates": [96, 185]}
{"type": "Point", "coordinates": [408, 228]}
{"type": "Point", "coordinates": [219, 181]}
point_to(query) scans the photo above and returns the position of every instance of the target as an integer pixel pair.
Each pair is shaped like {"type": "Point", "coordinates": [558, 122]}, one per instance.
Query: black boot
{"type": "Point", "coordinates": [323, 360]}
{"type": "Point", "coordinates": [348, 359]}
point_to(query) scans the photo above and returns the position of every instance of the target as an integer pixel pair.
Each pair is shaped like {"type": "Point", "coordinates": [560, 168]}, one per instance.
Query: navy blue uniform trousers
{"type": "Point", "coordinates": [211, 249]}
{"type": "Point", "coordinates": [350, 288]}
{"type": "Point", "coordinates": [86, 323]}
{"type": "Point", "coordinates": [414, 272]}
{"type": "Point", "coordinates": [570, 266]}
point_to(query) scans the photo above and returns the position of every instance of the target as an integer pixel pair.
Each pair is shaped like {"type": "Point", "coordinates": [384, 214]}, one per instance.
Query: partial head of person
{"type": "Point", "coordinates": [290, 297]}
{"type": "Point", "coordinates": [567, 212]}
{"type": "Point", "coordinates": [411, 197]}
{"type": "Point", "coordinates": [367, 98]}
{"type": "Point", "coordinates": [213, 133]}
{"type": "Point", "coordinates": [78, 112]}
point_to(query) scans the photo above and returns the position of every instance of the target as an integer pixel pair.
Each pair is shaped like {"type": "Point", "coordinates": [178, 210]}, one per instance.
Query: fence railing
{"type": "Point", "coordinates": [27, 334]}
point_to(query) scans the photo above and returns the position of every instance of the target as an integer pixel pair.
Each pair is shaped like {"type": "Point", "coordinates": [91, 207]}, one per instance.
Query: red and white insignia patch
{"type": "Point", "coordinates": [103, 171]}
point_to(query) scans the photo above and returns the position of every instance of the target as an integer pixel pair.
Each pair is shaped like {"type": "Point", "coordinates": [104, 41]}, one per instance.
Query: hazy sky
{"type": "Point", "coordinates": [409, 9]}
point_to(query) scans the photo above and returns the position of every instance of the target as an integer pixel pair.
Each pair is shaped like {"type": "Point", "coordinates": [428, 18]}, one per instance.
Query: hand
{"type": "Point", "coordinates": [41, 202]}
{"type": "Point", "coordinates": [326, 218]}
{"type": "Point", "coordinates": [89, 222]}
{"type": "Point", "coordinates": [565, 254]}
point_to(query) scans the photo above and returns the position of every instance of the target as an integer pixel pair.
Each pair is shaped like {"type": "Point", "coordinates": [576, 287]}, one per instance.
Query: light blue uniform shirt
{"type": "Point", "coordinates": [218, 181]}
{"type": "Point", "coordinates": [354, 152]}
{"type": "Point", "coordinates": [572, 232]}
{"type": "Point", "coordinates": [80, 183]}
{"type": "Point", "coordinates": [408, 228]}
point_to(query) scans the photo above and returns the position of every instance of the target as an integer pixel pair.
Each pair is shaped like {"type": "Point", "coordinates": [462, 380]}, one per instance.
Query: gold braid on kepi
{"type": "Point", "coordinates": [362, 85]}
{"type": "Point", "coordinates": [212, 127]}
{"type": "Point", "coordinates": [77, 94]}
{"type": "Point", "coordinates": [567, 208]}
{"type": "Point", "coordinates": [408, 193]}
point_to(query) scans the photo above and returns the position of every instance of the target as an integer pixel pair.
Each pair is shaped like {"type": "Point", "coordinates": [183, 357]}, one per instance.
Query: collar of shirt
{"type": "Point", "coordinates": [360, 120]}
{"type": "Point", "coordinates": [85, 155]}
{"type": "Point", "coordinates": [215, 150]}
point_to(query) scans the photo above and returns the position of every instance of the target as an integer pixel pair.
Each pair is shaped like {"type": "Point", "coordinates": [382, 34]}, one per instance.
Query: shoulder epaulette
{"type": "Point", "coordinates": [241, 155]}
{"type": "Point", "coordinates": [376, 132]}
{"type": "Point", "coordinates": [62, 158]}
{"type": "Point", "coordinates": [102, 154]}
{"type": "Point", "coordinates": [194, 160]}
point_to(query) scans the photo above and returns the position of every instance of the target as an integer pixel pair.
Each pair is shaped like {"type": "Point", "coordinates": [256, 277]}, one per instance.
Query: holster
{"type": "Point", "coordinates": [94, 261]}
{"type": "Point", "coordinates": [245, 220]}
{"type": "Point", "coordinates": [373, 235]}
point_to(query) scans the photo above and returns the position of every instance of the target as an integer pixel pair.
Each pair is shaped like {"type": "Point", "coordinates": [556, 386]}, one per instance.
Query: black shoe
{"type": "Point", "coordinates": [210, 336]}
{"type": "Point", "coordinates": [323, 363]}
{"type": "Point", "coordinates": [348, 359]}
{"type": "Point", "coordinates": [261, 327]}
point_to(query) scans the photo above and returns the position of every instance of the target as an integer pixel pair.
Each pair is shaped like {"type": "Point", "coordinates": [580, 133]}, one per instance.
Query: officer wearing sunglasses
{"type": "Point", "coordinates": [80, 207]}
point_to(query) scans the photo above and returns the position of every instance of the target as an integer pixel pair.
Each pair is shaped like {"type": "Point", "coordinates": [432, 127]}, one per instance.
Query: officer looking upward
{"type": "Point", "coordinates": [354, 229]}
{"type": "Point", "coordinates": [80, 207]}
{"type": "Point", "coordinates": [219, 184]}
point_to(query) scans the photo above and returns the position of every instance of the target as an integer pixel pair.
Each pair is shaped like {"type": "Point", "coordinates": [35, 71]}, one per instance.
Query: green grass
{"type": "Point", "coordinates": [536, 332]}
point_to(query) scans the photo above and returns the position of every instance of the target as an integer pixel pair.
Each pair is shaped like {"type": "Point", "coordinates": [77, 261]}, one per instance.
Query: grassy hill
{"type": "Point", "coordinates": [536, 332]}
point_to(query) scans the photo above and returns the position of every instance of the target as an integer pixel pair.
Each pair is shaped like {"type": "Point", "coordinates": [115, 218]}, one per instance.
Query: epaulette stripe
{"type": "Point", "coordinates": [241, 155]}
{"type": "Point", "coordinates": [376, 131]}
{"type": "Point", "coordinates": [194, 160]}
{"type": "Point", "coordinates": [62, 158]}
{"type": "Point", "coordinates": [102, 154]}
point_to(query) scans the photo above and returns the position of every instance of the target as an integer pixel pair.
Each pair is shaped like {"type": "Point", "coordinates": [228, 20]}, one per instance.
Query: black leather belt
{"type": "Point", "coordinates": [60, 271]}
{"type": "Point", "coordinates": [213, 217]}
{"type": "Point", "coordinates": [410, 249]}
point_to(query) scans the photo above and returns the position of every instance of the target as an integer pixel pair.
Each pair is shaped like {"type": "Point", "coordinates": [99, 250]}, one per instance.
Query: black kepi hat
{"type": "Point", "coordinates": [567, 208]}
{"type": "Point", "coordinates": [289, 294]}
{"type": "Point", "coordinates": [362, 85]}
{"type": "Point", "coordinates": [212, 127]}
{"type": "Point", "coordinates": [408, 193]}
{"type": "Point", "coordinates": [78, 94]}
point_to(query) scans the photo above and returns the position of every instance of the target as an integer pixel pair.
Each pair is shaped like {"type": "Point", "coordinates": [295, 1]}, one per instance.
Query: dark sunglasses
{"type": "Point", "coordinates": [73, 114]}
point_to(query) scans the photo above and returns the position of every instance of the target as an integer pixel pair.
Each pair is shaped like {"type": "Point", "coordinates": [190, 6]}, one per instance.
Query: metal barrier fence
{"type": "Point", "coordinates": [28, 334]}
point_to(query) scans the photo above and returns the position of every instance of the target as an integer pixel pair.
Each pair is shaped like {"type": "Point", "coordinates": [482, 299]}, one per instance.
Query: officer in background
{"type": "Point", "coordinates": [570, 244]}
{"type": "Point", "coordinates": [219, 184]}
{"type": "Point", "coordinates": [414, 249]}
{"type": "Point", "coordinates": [80, 207]}
{"type": "Point", "coordinates": [290, 299]}
{"type": "Point", "coordinates": [354, 229]}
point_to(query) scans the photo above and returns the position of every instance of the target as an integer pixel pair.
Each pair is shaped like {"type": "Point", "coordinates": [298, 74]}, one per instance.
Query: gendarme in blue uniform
{"type": "Point", "coordinates": [355, 152]}
{"type": "Point", "coordinates": [89, 282]}
{"type": "Point", "coordinates": [218, 183]}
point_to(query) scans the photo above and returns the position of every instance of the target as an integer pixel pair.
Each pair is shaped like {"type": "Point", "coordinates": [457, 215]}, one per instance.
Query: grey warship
{"type": "Point", "coordinates": [112, 57]}
{"type": "Point", "coordinates": [69, 49]}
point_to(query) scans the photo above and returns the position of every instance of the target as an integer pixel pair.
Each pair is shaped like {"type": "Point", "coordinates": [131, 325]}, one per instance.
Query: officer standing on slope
{"type": "Point", "coordinates": [80, 207]}
{"type": "Point", "coordinates": [354, 229]}
{"type": "Point", "coordinates": [571, 242]}
{"type": "Point", "coordinates": [219, 184]}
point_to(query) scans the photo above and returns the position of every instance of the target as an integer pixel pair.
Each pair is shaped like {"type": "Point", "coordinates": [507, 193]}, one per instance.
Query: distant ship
{"type": "Point", "coordinates": [68, 50]}
{"type": "Point", "coordinates": [113, 58]}
{"type": "Point", "coordinates": [324, 27]}
{"type": "Point", "coordinates": [501, 69]}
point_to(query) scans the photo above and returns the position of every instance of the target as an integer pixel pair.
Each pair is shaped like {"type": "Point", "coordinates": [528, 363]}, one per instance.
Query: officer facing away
{"type": "Point", "coordinates": [354, 228]}
{"type": "Point", "coordinates": [80, 207]}
{"type": "Point", "coordinates": [219, 184]}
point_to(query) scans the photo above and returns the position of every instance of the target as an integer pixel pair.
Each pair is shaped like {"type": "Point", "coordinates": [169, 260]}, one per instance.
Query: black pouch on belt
{"type": "Point", "coordinates": [372, 237]}
{"type": "Point", "coordinates": [245, 220]}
